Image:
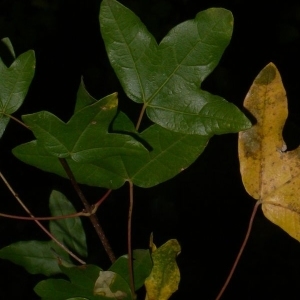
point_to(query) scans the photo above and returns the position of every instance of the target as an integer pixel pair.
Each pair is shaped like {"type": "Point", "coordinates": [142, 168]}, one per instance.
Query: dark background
{"type": "Point", "coordinates": [206, 207]}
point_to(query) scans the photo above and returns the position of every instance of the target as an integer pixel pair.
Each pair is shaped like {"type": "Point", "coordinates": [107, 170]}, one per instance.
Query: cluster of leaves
{"type": "Point", "coordinates": [166, 79]}
{"type": "Point", "coordinates": [104, 148]}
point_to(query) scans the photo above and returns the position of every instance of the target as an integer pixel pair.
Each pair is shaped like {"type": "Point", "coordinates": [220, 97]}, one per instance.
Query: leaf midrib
{"type": "Point", "coordinates": [15, 83]}
{"type": "Point", "coordinates": [177, 67]}
{"type": "Point", "coordinates": [131, 56]}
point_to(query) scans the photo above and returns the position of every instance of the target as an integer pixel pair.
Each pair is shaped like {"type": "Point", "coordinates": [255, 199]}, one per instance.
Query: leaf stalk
{"type": "Point", "coordinates": [129, 236]}
{"type": "Point", "coordinates": [39, 223]}
{"type": "Point", "coordinates": [241, 250]}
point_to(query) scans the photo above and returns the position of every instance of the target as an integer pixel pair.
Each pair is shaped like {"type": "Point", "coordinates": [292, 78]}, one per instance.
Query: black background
{"type": "Point", "coordinates": [205, 207]}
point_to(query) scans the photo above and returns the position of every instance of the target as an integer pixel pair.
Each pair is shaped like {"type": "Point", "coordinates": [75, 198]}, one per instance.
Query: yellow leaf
{"type": "Point", "coordinates": [271, 174]}
{"type": "Point", "coordinates": [164, 278]}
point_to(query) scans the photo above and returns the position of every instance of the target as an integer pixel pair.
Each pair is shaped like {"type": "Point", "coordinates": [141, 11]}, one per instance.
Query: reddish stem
{"type": "Point", "coordinates": [241, 250]}
{"type": "Point", "coordinates": [89, 209]}
{"type": "Point", "coordinates": [129, 248]}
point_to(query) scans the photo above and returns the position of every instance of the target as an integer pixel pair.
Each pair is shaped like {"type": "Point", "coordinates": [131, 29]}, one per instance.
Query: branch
{"type": "Point", "coordinates": [241, 250]}
{"type": "Point", "coordinates": [80, 214]}
{"type": "Point", "coordinates": [16, 120]}
{"type": "Point", "coordinates": [129, 248]}
{"type": "Point", "coordinates": [38, 223]}
{"type": "Point", "coordinates": [89, 209]}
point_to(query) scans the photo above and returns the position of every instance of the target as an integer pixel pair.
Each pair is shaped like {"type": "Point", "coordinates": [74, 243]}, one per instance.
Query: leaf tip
{"type": "Point", "coordinates": [267, 75]}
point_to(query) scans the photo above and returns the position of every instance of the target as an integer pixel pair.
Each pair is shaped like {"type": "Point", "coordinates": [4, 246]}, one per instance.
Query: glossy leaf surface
{"type": "Point", "coordinates": [170, 152]}
{"type": "Point", "coordinates": [269, 172]}
{"type": "Point", "coordinates": [87, 129]}
{"type": "Point", "coordinates": [166, 78]}
{"type": "Point", "coordinates": [14, 83]}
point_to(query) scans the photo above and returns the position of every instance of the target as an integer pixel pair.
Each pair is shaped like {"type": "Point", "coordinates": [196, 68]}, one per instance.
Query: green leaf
{"type": "Point", "coordinates": [86, 130]}
{"type": "Point", "coordinates": [142, 265]}
{"type": "Point", "coordinates": [69, 231]}
{"type": "Point", "coordinates": [81, 285]}
{"type": "Point", "coordinates": [34, 154]}
{"type": "Point", "coordinates": [83, 98]}
{"type": "Point", "coordinates": [77, 298]}
{"type": "Point", "coordinates": [6, 41]}
{"type": "Point", "coordinates": [172, 153]}
{"type": "Point", "coordinates": [37, 257]}
{"type": "Point", "coordinates": [169, 152]}
{"type": "Point", "coordinates": [60, 289]}
{"type": "Point", "coordinates": [167, 77]}
{"type": "Point", "coordinates": [84, 276]}
{"type": "Point", "coordinates": [14, 84]}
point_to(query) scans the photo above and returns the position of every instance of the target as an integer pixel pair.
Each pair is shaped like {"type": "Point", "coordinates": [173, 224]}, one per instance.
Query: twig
{"type": "Point", "coordinates": [129, 248]}
{"type": "Point", "coordinates": [89, 209]}
{"type": "Point", "coordinates": [241, 250]}
{"type": "Point", "coordinates": [37, 222]}
{"type": "Point", "coordinates": [97, 204]}
{"type": "Point", "coordinates": [80, 214]}
{"type": "Point", "coordinates": [16, 120]}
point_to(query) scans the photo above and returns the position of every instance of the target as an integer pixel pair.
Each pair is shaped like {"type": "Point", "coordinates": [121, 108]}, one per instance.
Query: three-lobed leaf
{"type": "Point", "coordinates": [167, 77]}
{"type": "Point", "coordinates": [172, 153]}
{"type": "Point", "coordinates": [107, 159]}
{"type": "Point", "coordinates": [270, 173]}
{"type": "Point", "coordinates": [87, 129]}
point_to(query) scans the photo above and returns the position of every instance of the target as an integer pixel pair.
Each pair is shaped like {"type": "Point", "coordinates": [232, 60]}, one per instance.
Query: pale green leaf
{"type": "Point", "coordinates": [6, 41]}
{"type": "Point", "coordinates": [105, 283]}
